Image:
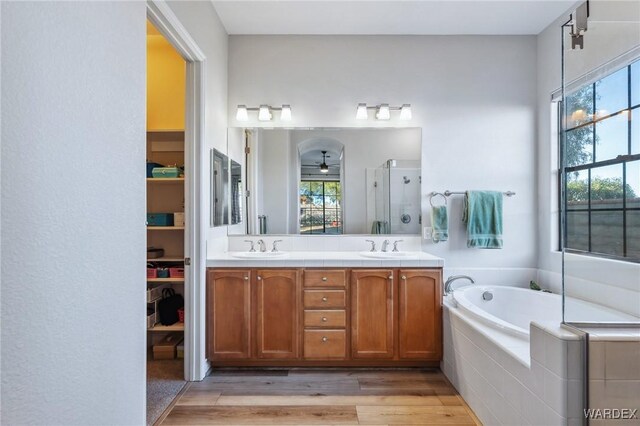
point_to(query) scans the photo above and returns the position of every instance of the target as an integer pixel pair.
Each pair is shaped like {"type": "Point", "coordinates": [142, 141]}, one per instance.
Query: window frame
{"type": "Point", "coordinates": [338, 210]}
{"type": "Point", "coordinates": [622, 159]}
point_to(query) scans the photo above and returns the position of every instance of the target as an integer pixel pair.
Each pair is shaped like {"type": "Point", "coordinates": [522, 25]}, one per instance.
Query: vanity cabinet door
{"type": "Point", "coordinates": [228, 314]}
{"type": "Point", "coordinates": [420, 311]}
{"type": "Point", "coordinates": [278, 313]}
{"type": "Point", "coordinates": [372, 313]}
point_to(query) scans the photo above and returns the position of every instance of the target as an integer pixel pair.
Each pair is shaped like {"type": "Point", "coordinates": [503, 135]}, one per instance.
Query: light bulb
{"type": "Point", "coordinates": [324, 168]}
{"type": "Point", "coordinates": [264, 114]}
{"type": "Point", "coordinates": [241, 113]}
{"type": "Point", "coordinates": [361, 112]}
{"type": "Point", "coordinates": [405, 112]}
{"type": "Point", "coordinates": [285, 114]}
{"type": "Point", "coordinates": [383, 112]}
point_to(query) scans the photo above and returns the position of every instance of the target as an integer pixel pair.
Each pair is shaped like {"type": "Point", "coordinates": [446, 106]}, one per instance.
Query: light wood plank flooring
{"type": "Point", "coordinates": [321, 397]}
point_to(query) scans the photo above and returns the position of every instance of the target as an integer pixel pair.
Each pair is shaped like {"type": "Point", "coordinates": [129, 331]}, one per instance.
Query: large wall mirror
{"type": "Point", "coordinates": [331, 181]}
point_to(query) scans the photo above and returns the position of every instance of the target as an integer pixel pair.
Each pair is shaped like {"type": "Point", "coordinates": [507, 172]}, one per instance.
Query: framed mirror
{"type": "Point", "coordinates": [335, 181]}
{"type": "Point", "coordinates": [219, 188]}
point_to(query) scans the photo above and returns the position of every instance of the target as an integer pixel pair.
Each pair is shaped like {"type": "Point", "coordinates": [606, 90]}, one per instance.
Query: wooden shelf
{"type": "Point", "coordinates": [179, 326]}
{"type": "Point", "coordinates": [165, 180]}
{"type": "Point", "coordinates": [167, 259]}
{"type": "Point", "coordinates": [165, 280]}
{"type": "Point", "coordinates": [165, 228]}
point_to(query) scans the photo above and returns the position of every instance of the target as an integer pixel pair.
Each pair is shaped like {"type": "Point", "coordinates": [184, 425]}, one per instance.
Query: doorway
{"type": "Point", "coordinates": [189, 247]}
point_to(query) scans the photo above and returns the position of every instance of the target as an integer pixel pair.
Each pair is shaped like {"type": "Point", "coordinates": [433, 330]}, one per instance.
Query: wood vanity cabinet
{"type": "Point", "coordinates": [420, 314]}
{"type": "Point", "coordinates": [372, 313]}
{"type": "Point", "coordinates": [277, 313]}
{"type": "Point", "coordinates": [228, 314]}
{"type": "Point", "coordinates": [324, 317]}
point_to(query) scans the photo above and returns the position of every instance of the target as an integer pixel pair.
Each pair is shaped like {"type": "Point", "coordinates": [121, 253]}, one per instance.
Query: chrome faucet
{"type": "Point", "coordinates": [262, 246]}
{"type": "Point", "coordinates": [253, 248]}
{"type": "Point", "coordinates": [373, 245]}
{"type": "Point", "coordinates": [385, 244]}
{"type": "Point", "coordinates": [275, 246]}
{"type": "Point", "coordinates": [449, 283]}
{"type": "Point", "coordinates": [395, 246]}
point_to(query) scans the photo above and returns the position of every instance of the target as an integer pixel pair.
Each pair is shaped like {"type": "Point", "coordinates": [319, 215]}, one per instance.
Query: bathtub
{"type": "Point", "coordinates": [512, 309]}
{"type": "Point", "coordinates": [509, 357]}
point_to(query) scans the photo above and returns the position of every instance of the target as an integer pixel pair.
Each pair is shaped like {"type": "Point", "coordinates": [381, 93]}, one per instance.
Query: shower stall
{"type": "Point", "coordinates": [393, 197]}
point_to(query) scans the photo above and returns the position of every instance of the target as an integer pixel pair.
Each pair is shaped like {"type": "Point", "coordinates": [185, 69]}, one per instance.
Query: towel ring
{"type": "Point", "coordinates": [434, 194]}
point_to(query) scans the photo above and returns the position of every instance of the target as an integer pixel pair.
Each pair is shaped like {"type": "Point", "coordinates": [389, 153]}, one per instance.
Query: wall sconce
{"type": "Point", "coordinates": [383, 111]}
{"type": "Point", "coordinates": [264, 112]}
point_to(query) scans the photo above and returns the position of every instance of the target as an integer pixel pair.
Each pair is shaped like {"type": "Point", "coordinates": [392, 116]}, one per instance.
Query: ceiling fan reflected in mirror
{"type": "Point", "coordinates": [324, 168]}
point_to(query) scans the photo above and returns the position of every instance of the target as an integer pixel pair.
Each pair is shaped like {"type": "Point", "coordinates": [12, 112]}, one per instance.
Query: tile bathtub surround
{"type": "Point", "coordinates": [614, 373]}
{"type": "Point", "coordinates": [540, 387]}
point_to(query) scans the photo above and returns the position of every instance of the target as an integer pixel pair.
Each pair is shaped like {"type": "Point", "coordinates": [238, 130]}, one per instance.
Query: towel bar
{"type": "Point", "coordinates": [449, 193]}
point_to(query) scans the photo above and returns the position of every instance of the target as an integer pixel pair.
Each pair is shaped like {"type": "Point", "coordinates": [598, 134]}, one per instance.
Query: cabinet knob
{"type": "Point", "coordinates": [324, 319]}
{"type": "Point", "coordinates": [325, 339]}
{"type": "Point", "coordinates": [324, 278]}
{"type": "Point", "coordinates": [324, 299]}
{"type": "Point", "coordinates": [404, 277]}
{"type": "Point", "coordinates": [259, 278]}
{"type": "Point", "coordinates": [390, 277]}
{"type": "Point", "coordinates": [246, 278]}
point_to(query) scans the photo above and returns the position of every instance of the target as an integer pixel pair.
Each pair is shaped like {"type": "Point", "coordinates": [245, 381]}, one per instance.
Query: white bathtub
{"type": "Point", "coordinates": [512, 309]}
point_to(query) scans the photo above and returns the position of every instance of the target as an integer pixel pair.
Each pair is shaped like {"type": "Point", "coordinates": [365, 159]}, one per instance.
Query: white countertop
{"type": "Point", "coordinates": [319, 259]}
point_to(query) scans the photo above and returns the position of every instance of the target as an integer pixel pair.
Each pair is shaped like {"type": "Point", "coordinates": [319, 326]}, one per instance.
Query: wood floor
{"type": "Point", "coordinates": [321, 397]}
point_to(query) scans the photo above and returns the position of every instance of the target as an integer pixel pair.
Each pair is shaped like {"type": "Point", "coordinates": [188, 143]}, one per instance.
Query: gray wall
{"type": "Point", "coordinates": [73, 240]}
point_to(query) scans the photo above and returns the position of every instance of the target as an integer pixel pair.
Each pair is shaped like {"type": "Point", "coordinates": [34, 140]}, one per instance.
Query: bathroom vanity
{"type": "Point", "coordinates": [298, 316]}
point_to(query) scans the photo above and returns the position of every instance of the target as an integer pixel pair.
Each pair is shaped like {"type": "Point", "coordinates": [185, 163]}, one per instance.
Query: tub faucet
{"type": "Point", "coordinates": [449, 283]}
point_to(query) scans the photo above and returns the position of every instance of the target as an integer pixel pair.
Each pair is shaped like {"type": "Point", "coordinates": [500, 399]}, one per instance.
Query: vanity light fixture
{"type": "Point", "coordinates": [405, 112]}
{"type": "Point", "coordinates": [361, 112]}
{"type": "Point", "coordinates": [383, 111]}
{"type": "Point", "coordinates": [241, 113]}
{"type": "Point", "coordinates": [285, 114]}
{"type": "Point", "coordinates": [265, 112]}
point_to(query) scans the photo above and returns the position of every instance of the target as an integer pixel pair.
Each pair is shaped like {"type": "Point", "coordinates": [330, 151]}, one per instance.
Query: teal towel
{"type": "Point", "coordinates": [439, 224]}
{"type": "Point", "coordinates": [483, 217]}
{"type": "Point", "coordinates": [380, 227]}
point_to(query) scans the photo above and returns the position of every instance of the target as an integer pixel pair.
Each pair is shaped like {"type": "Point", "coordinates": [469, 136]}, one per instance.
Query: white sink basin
{"type": "Point", "coordinates": [258, 254]}
{"type": "Point", "coordinates": [388, 255]}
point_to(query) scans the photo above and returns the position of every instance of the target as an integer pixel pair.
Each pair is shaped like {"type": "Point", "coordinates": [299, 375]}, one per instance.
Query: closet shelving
{"type": "Point", "coordinates": [165, 195]}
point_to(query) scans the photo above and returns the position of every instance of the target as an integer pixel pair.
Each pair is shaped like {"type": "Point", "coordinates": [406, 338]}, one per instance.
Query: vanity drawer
{"type": "Point", "coordinates": [325, 318]}
{"type": "Point", "coordinates": [325, 298]}
{"type": "Point", "coordinates": [321, 344]}
{"type": "Point", "coordinates": [325, 278]}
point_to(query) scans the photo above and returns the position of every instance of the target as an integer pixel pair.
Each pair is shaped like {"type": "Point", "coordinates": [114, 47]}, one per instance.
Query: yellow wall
{"type": "Point", "coordinates": [165, 85]}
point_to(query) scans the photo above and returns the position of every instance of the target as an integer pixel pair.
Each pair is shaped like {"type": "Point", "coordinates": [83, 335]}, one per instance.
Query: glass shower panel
{"type": "Point", "coordinates": [600, 146]}
{"type": "Point", "coordinates": [600, 199]}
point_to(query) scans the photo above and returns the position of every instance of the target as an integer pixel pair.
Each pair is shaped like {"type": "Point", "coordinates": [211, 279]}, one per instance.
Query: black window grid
{"type": "Point", "coordinates": [622, 159]}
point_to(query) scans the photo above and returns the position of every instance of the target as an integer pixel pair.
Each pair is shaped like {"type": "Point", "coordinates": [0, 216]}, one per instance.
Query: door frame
{"type": "Point", "coordinates": [166, 22]}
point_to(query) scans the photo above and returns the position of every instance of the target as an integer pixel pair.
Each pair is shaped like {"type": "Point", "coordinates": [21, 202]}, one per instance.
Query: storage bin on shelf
{"type": "Point", "coordinates": [166, 348]}
{"type": "Point", "coordinates": [178, 219]}
{"type": "Point", "coordinates": [165, 172]}
{"type": "Point", "coordinates": [152, 319]}
{"type": "Point", "coordinates": [159, 219]}
{"type": "Point", "coordinates": [155, 292]}
{"type": "Point", "coordinates": [163, 272]}
{"type": "Point", "coordinates": [176, 272]}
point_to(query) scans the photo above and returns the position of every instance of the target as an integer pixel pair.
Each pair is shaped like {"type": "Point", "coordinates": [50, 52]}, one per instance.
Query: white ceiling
{"type": "Point", "coordinates": [426, 17]}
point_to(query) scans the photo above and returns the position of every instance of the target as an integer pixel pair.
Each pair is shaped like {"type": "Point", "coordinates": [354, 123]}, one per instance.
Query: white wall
{"type": "Point", "coordinates": [614, 28]}
{"type": "Point", "coordinates": [73, 241]}
{"type": "Point", "coordinates": [474, 97]}
{"type": "Point", "coordinates": [201, 21]}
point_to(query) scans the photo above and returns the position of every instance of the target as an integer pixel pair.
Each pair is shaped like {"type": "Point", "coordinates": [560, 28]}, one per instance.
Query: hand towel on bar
{"type": "Point", "coordinates": [483, 216]}
{"type": "Point", "coordinates": [439, 224]}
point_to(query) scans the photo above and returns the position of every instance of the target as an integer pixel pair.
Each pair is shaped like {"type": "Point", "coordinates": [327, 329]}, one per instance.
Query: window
{"type": "Point", "coordinates": [602, 166]}
{"type": "Point", "coordinates": [320, 207]}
